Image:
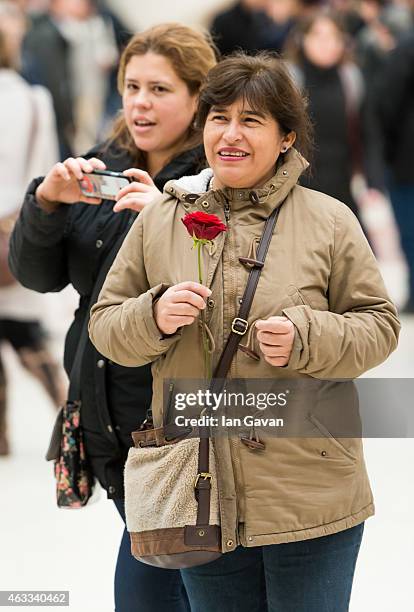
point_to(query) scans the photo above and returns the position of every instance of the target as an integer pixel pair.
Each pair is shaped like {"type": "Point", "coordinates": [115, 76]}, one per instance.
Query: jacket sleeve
{"type": "Point", "coordinates": [361, 328]}
{"type": "Point", "coordinates": [122, 325]}
{"type": "Point", "coordinates": [37, 252]}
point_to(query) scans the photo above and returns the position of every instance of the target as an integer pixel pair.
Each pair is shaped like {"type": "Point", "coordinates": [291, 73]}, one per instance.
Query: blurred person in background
{"type": "Point", "coordinates": [63, 237]}
{"type": "Point", "coordinates": [45, 62]}
{"type": "Point", "coordinates": [28, 145]}
{"type": "Point", "coordinates": [395, 102]}
{"type": "Point", "coordinates": [384, 24]}
{"type": "Point", "coordinates": [348, 12]}
{"type": "Point", "coordinates": [245, 25]}
{"type": "Point", "coordinates": [258, 25]}
{"type": "Point", "coordinates": [71, 49]}
{"type": "Point", "coordinates": [36, 8]}
{"type": "Point", "coordinates": [122, 35]}
{"type": "Point", "coordinates": [285, 15]}
{"type": "Point", "coordinates": [335, 90]}
{"type": "Point", "coordinates": [92, 54]}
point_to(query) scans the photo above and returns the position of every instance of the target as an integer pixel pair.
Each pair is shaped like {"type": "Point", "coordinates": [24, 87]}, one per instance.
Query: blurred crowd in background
{"type": "Point", "coordinates": [353, 59]}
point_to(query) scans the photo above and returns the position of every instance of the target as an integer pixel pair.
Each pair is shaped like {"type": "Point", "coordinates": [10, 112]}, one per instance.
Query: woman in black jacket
{"type": "Point", "coordinates": [336, 95]}
{"type": "Point", "coordinates": [63, 237]}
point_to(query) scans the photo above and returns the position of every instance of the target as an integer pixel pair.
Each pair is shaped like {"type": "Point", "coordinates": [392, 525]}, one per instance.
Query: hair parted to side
{"type": "Point", "coordinates": [192, 54]}
{"type": "Point", "coordinates": [263, 82]}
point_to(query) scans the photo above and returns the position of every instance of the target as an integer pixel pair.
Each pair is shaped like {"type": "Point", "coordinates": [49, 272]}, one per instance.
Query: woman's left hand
{"type": "Point", "coordinates": [138, 194]}
{"type": "Point", "coordinates": [276, 336]}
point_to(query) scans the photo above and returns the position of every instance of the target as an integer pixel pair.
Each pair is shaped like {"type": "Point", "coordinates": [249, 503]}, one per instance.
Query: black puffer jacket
{"type": "Point", "coordinates": [50, 251]}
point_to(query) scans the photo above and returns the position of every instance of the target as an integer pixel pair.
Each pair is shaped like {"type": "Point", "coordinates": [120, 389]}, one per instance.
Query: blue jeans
{"type": "Point", "coordinates": [309, 576]}
{"type": "Point", "coordinates": [402, 199]}
{"type": "Point", "coordinates": [143, 588]}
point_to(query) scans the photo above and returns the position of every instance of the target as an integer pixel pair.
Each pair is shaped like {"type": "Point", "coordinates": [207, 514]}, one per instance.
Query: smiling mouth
{"type": "Point", "coordinates": [233, 155]}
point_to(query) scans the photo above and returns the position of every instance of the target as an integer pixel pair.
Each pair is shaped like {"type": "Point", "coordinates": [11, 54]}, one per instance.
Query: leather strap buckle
{"type": "Point", "coordinates": [239, 326]}
{"type": "Point", "coordinates": [204, 476]}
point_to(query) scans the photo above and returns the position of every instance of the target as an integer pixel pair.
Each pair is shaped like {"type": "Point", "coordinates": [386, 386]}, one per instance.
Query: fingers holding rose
{"type": "Point", "coordinates": [180, 305]}
{"type": "Point", "coordinates": [275, 336]}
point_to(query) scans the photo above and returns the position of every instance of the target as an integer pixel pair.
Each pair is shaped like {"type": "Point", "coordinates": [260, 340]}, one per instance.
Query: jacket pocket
{"type": "Point", "coordinates": [291, 297]}
{"type": "Point", "coordinates": [296, 296]}
{"type": "Point", "coordinates": [334, 441]}
{"type": "Point", "coordinates": [314, 298]}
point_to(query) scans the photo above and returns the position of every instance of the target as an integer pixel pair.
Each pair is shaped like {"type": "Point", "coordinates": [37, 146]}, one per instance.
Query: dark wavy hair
{"type": "Point", "coordinates": [264, 82]}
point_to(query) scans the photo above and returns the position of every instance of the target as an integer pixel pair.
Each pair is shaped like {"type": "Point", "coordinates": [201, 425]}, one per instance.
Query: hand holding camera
{"type": "Point", "coordinates": [140, 192]}
{"type": "Point", "coordinates": [87, 180]}
{"type": "Point", "coordinates": [62, 183]}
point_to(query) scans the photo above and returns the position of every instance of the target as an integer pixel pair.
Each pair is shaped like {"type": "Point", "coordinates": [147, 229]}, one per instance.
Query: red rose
{"type": "Point", "coordinates": [203, 226]}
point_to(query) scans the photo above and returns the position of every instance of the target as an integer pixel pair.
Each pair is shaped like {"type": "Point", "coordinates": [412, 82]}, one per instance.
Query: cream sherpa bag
{"type": "Point", "coordinates": [160, 486]}
{"type": "Point", "coordinates": [171, 496]}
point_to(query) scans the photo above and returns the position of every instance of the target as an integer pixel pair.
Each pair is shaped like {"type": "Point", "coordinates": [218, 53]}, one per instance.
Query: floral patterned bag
{"type": "Point", "coordinates": [73, 473]}
{"type": "Point", "coordinates": [74, 478]}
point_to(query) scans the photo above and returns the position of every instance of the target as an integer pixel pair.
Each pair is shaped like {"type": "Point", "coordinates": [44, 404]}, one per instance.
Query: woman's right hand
{"type": "Point", "coordinates": [180, 305]}
{"type": "Point", "coordinates": [61, 186]}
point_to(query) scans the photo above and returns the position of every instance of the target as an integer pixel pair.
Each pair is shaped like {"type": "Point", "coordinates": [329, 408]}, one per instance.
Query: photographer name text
{"type": "Point", "coordinates": [225, 421]}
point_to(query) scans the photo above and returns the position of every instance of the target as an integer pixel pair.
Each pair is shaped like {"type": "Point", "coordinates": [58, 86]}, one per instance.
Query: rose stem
{"type": "Point", "coordinates": [207, 372]}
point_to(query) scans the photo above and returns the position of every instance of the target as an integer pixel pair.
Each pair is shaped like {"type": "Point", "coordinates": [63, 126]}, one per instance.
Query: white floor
{"type": "Point", "coordinates": [43, 548]}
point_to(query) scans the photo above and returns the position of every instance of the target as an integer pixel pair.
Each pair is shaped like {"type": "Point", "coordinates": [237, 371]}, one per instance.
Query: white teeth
{"type": "Point", "coordinates": [143, 123]}
{"type": "Point", "coordinates": [233, 154]}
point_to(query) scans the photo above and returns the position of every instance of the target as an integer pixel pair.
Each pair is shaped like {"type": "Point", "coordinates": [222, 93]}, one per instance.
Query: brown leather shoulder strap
{"type": "Point", "coordinates": [240, 325]}
{"type": "Point", "coordinates": [238, 329]}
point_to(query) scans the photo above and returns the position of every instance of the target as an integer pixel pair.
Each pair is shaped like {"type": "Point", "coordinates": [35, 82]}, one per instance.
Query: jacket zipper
{"type": "Point", "coordinates": [227, 210]}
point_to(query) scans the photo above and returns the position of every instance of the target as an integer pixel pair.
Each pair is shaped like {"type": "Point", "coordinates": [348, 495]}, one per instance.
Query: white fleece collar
{"type": "Point", "coordinates": [199, 183]}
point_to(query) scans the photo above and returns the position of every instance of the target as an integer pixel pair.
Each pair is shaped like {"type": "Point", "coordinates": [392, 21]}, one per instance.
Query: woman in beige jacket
{"type": "Point", "coordinates": [293, 513]}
